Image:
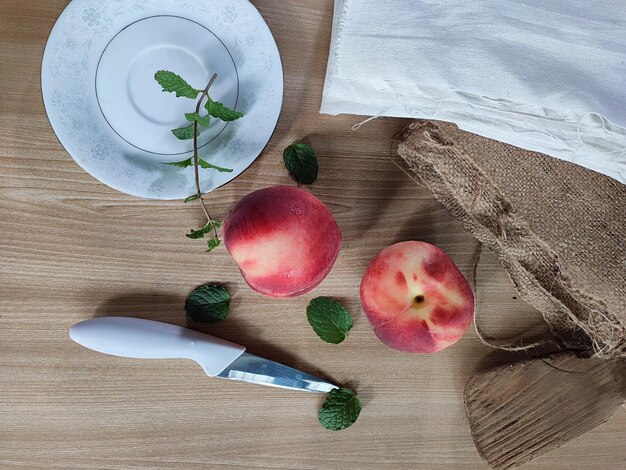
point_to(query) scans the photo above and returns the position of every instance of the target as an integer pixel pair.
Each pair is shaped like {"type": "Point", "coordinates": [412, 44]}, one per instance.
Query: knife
{"type": "Point", "coordinates": [147, 339]}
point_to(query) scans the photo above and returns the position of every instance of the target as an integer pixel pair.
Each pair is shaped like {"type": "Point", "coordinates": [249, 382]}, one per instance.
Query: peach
{"type": "Point", "coordinates": [416, 299]}
{"type": "Point", "coordinates": [284, 240]}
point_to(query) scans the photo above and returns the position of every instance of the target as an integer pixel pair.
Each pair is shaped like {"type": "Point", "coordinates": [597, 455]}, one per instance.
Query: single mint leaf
{"type": "Point", "coordinates": [219, 111]}
{"type": "Point", "coordinates": [200, 233]}
{"type": "Point", "coordinates": [172, 83]}
{"type": "Point", "coordinates": [183, 164]}
{"type": "Point", "coordinates": [206, 165]}
{"type": "Point", "coordinates": [340, 410]}
{"type": "Point", "coordinates": [204, 121]}
{"type": "Point", "coordinates": [301, 163]}
{"type": "Point", "coordinates": [195, 197]}
{"type": "Point", "coordinates": [212, 244]}
{"type": "Point", "coordinates": [184, 133]}
{"type": "Point", "coordinates": [208, 304]}
{"type": "Point", "coordinates": [329, 319]}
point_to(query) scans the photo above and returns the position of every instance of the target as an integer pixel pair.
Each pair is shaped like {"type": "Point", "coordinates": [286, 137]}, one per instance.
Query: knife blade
{"type": "Point", "coordinates": [147, 339]}
{"type": "Point", "coordinates": [254, 369]}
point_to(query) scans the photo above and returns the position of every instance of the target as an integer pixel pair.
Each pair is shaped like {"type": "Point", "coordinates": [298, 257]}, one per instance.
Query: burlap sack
{"type": "Point", "coordinates": [558, 229]}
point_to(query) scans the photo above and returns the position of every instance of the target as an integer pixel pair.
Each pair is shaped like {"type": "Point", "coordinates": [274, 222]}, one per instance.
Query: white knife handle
{"type": "Point", "coordinates": [146, 339]}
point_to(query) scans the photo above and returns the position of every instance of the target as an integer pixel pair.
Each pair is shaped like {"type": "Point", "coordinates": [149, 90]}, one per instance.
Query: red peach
{"type": "Point", "coordinates": [284, 240]}
{"type": "Point", "coordinates": [416, 299]}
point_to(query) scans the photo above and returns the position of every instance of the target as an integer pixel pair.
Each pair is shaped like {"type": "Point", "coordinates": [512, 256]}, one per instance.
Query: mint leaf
{"type": "Point", "coordinates": [184, 133]}
{"type": "Point", "coordinates": [204, 121]}
{"type": "Point", "coordinates": [172, 83]}
{"type": "Point", "coordinates": [301, 163]}
{"type": "Point", "coordinates": [183, 164]}
{"type": "Point", "coordinates": [195, 197]}
{"type": "Point", "coordinates": [212, 244]}
{"type": "Point", "coordinates": [219, 111]}
{"type": "Point", "coordinates": [340, 410]}
{"type": "Point", "coordinates": [200, 233]}
{"type": "Point", "coordinates": [208, 304]}
{"type": "Point", "coordinates": [329, 319]}
{"type": "Point", "coordinates": [202, 164]}
{"type": "Point", "coordinates": [206, 165]}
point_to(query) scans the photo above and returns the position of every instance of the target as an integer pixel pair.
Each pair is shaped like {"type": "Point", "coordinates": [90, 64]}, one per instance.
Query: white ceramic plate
{"type": "Point", "coordinates": [112, 116]}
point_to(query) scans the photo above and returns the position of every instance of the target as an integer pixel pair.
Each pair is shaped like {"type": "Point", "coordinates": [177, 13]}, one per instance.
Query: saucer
{"type": "Point", "coordinates": [114, 119]}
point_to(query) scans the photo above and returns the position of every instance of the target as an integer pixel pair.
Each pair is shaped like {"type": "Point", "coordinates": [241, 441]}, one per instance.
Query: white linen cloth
{"type": "Point", "coordinates": [545, 75]}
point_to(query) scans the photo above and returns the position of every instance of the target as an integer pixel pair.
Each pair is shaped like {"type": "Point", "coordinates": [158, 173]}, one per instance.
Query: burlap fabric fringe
{"type": "Point", "coordinates": [558, 229]}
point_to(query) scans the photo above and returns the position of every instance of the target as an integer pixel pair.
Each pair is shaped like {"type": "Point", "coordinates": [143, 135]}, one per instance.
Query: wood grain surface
{"type": "Point", "coordinates": [72, 248]}
{"type": "Point", "coordinates": [520, 411]}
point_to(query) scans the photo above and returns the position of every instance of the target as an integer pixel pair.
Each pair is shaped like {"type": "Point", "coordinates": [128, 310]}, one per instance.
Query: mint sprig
{"type": "Point", "coordinates": [329, 319]}
{"type": "Point", "coordinates": [340, 410]}
{"type": "Point", "coordinates": [301, 162]}
{"type": "Point", "coordinates": [173, 83]}
{"type": "Point", "coordinates": [208, 304]}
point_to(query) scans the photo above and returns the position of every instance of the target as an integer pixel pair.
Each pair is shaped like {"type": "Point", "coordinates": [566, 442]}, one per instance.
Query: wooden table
{"type": "Point", "coordinates": [72, 248]}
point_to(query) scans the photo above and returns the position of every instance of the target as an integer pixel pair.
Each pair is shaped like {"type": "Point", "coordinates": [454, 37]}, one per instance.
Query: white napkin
{"type": "Point", "coordinates": [545, 75]}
